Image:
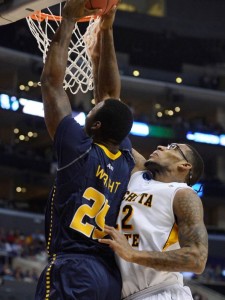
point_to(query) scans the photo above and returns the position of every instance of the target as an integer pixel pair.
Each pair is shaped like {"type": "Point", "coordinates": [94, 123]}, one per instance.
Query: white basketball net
{"type": "Point", "coordinates": [78, 76]}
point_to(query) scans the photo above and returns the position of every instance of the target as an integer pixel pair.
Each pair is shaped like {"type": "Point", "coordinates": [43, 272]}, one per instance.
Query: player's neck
{"type": "Point", "coordinates": [166, 176]}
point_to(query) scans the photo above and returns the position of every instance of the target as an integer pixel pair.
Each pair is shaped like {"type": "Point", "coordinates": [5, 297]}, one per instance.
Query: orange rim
{"type": "Point", "coordinates": [39, 16]}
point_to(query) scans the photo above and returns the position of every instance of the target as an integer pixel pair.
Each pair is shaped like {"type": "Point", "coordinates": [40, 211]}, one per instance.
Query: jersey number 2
{"type": "Point", "coordinates": [128, 212]}
{"type": "Point", "coordinates": [97, 211]}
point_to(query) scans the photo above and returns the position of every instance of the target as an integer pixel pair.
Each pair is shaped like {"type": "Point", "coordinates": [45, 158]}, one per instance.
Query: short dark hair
{"type": "Point", "coordinates": [197, 164]}
{"type": "Point", "coordinates": [116, 119]}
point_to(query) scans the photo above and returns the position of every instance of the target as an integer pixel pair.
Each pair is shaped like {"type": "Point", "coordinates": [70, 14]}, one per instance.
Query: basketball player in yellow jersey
{"type": "Point", "coordinates": [161, 219]}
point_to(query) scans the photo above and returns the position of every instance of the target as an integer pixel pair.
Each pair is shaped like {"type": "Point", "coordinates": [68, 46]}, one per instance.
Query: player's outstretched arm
{"type": "Point", "coordinates": [94, 53]}
{"type": "Point", "coordinates": [108, 82]}
{"type": "Point", "coordinates": [193, 240]}
{"type": "Point", "coordinates": [55, 99]}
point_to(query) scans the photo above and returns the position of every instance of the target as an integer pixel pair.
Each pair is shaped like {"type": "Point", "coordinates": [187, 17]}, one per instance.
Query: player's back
{"type": "Point", "coordinates": [90, 184]}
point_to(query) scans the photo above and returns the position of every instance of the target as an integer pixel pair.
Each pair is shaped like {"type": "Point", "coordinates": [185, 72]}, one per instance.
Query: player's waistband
{"type": "Point", "coordinates": [153, 290]}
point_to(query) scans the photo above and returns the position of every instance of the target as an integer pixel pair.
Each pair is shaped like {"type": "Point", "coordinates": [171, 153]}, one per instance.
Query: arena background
{"type": "Point", "coordinates": [171, 57]}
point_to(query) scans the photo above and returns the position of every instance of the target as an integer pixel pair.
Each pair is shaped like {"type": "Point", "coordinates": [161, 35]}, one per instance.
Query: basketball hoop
{"type": "Point", "coordinates": [78, 76]}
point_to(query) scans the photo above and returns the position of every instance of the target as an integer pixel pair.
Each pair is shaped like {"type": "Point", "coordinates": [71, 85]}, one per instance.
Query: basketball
{"type": "Point", "coordinates": [105, 5]}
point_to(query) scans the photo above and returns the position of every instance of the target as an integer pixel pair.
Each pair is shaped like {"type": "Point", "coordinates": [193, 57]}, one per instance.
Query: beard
{"type": "Point", "coordinates": [153, 167]}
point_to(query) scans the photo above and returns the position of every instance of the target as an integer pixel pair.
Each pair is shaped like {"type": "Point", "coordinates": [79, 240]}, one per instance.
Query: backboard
{"type": "Point", "coordinates": [14, 10]}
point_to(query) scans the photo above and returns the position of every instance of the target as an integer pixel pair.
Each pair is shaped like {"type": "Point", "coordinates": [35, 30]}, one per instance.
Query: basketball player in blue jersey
{"type": "Point", "coordinates": [161, 218]}
{"type": "Point", "coordinates": [92, 176]}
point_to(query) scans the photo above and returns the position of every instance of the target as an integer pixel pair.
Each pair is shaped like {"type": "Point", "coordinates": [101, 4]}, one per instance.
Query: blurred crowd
{"type": "Point", "coordinates": [214, 273]}
{"type": "Point", "coordinates": [14, 244]}
{"type": "Point", "coordinates": [7, 272]}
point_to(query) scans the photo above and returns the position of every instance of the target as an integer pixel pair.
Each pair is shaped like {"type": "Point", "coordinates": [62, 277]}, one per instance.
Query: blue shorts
{"type": "Point", "coordinates": [80, 277]}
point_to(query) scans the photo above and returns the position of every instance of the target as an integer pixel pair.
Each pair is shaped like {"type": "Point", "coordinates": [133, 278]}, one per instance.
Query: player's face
{"type": "Point", "coordinates": [90, 119]}
{"type": "Point", "coordinates": [164, 156]}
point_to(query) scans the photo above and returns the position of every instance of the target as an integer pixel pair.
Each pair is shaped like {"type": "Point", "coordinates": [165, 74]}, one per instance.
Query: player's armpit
{"type": "Point", "coordinates": [139, 161]}
{"type": "Point", "coordinates": [192, 233]}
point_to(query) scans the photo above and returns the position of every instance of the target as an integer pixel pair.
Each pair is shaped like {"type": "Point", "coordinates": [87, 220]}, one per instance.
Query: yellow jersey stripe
{"type": "Point", "coordinates": [110, 154]}
{"type": "Point", "coordinates": [173, 237]}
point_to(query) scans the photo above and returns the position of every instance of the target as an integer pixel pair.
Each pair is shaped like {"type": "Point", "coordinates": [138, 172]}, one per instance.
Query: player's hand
{"type": "Point", "coordinates": [118, 243]}
{"type": "Point", "coordinates": [107, 20]}
{"type": "Point", "coordinates": [76, 9]}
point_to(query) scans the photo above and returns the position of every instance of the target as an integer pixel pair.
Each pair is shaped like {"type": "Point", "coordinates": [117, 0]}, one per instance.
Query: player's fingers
{"type": "Point", "coordinates": [111, 231]}
{"type": "Point", "coordinates": [105, 241]}
{"type": "Point", "coordinates": [108, 227]}
{"type": "Point", "coordinates": [110, 13]}
{"type": "Point", "coordinates": [113, 9]}
{"type": "Point", "coordinates": [93, 12]}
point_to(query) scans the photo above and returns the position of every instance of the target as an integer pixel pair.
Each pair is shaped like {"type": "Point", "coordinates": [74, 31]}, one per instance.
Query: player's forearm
{"type": "Point", "coordinates": [95, 78]}
{"type": "Point", "coordinates": [109, 77]}
{"type": "Point", "coordinates": [185, 259]}
{"type": "Point", "coordinates": [95, 58]}
{"type": "Point", "coordinates": [56, 61]}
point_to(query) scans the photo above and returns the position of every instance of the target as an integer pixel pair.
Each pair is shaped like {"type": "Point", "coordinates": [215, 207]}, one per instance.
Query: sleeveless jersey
{"type": "Point", "coordinates": [146, 218]}
{"type": "Point", "coordinates": [89, 186]}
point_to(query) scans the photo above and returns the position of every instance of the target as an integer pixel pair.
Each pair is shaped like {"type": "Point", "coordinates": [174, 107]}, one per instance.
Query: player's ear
{"type": "Point", "coordinates": [96, 125]}
{"type": "Point", "coordinates": [184, 166]}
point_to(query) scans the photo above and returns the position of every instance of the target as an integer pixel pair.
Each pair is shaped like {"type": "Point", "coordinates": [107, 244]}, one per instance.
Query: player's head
{"type": "Point", "coordinates": [179, 159]}
{"type": "Point", "coordinates": [109, 120]}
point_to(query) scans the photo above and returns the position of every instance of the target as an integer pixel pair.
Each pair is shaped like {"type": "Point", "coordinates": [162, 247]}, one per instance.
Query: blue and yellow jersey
{"type": "Point", "coordinates": [89, 186]}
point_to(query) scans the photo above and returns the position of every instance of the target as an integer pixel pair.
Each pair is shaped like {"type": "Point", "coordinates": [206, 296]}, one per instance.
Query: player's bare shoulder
{"type": "Point", "coordinates": [187, 205]}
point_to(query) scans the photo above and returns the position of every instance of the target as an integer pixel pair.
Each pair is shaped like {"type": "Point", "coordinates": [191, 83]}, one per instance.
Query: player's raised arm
{"type": "Point", "coordinates": [107, 83]}
{"type": "Point", "coordinates": [110, 81]}
{"type": "Point", "coordinates": [55, 99]}
{"type": "Point", "coordinates": [94, 53]}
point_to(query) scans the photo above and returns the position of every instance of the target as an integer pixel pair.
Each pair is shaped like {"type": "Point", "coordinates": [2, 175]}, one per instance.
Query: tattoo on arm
{"type": "Point", "coordinates": [192, 235]}
{"type": "Point", "coordinates": [192, 232]}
